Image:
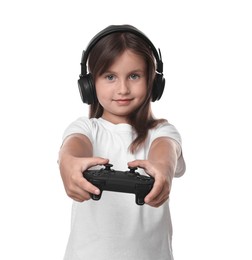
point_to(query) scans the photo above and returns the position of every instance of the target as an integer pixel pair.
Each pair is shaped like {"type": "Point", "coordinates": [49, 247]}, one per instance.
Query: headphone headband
{"type": "Point", "coordinates": [120, 28]}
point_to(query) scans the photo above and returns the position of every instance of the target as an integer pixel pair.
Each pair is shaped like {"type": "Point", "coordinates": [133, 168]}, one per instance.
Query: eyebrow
{"type": "Point", "coordinates": [131, 71]}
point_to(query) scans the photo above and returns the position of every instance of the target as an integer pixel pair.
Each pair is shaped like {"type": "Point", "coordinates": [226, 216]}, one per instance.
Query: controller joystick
{"type": "Point", "coordinates": [120, 181]}
{"type": "Point", "coordinates": [108, 166]}
{"type": "Point", "coordinates": [132, 169]}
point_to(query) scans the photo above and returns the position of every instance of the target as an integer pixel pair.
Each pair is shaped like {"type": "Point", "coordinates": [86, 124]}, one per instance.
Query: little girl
{"type": "Point", "coordinates": [125, 75]}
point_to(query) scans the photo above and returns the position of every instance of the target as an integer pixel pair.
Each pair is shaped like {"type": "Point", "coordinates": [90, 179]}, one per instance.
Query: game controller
{"type": "Point", "coordinates": [120, 181]}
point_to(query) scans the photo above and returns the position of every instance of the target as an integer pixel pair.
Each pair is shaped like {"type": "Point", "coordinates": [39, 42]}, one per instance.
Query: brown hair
{"type": "Point", "coordinates": [102, 56]}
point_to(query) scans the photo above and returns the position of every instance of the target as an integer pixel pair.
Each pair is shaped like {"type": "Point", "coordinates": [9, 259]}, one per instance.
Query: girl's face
{"type": "Point", "coordinates": [122, 88]}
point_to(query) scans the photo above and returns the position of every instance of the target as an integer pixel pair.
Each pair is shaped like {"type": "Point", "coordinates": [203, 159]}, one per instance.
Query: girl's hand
{"type": "Point", "coordinates": [162, 184]}
{"type": "Point", "coordinates": [71, 169]}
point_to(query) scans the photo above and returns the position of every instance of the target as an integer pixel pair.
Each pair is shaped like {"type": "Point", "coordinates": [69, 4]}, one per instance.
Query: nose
{"type": "Point", "coordinates": [123, 88]}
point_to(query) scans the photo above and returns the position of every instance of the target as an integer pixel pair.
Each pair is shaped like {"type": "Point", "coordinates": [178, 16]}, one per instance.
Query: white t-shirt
{"type": "Point", "coordinates": [115, 227]}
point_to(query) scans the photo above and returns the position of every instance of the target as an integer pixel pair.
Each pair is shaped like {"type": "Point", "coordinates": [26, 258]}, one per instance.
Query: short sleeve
{"type": "Point", "coordinates": [169, 130]}
{"type": "Point", "coordinates": [80, 126]}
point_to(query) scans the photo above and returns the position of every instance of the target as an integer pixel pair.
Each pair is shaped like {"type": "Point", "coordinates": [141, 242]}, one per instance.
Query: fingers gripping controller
{"type": "Point", "coordinates": [120, 181]}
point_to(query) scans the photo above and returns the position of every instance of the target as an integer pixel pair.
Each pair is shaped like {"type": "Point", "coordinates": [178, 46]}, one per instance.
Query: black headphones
{"type": "Point", "coordinates": [85, 82]}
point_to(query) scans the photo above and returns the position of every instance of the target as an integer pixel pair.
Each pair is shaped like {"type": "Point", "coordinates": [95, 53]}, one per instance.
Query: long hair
{"type": "Point", "coordinates": [102, 56]}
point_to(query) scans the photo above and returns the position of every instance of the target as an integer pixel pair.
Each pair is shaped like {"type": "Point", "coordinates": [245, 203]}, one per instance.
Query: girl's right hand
{"type": "Point", "coordinates": [71, 170]}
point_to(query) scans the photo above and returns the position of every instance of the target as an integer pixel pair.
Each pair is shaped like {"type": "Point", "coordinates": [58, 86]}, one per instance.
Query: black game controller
{"type": "Point", "coordinates": [127, 181]}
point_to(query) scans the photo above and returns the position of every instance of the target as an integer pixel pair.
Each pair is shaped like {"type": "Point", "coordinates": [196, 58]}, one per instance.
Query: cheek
{"type": "Point", "coordinates": [100, 91]}
{"type": "Point", "coordinates": [103, 95]}
{"type": "Point", "coordinates": [141, 91]}
{"type": "Point", "coordinates": [100, 96]}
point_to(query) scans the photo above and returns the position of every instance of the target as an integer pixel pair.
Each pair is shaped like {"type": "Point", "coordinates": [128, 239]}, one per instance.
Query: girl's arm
{"type": "Point", "coordinates": [161, 164]}
{"type": "Point", "coordinates": [75, 156]}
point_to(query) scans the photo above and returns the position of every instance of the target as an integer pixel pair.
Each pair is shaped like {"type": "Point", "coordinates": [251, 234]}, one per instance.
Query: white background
{"type": "Point", "coordinates": [206, 49]}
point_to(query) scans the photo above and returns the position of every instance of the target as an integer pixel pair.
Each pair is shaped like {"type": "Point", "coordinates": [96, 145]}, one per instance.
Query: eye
{"type": "Point", "coordinates": [110, 77]}
{"type": "Point", "coordinates": [134, 76]}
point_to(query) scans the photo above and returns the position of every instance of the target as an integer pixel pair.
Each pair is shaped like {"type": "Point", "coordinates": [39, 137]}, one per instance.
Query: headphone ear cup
{"type": "Point", "coordinates": [87, 89]}
{"type": "Point", "coordinates": [158, 87]}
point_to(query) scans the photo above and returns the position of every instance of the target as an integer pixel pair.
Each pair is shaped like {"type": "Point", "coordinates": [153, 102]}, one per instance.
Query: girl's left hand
{"type": "Point", "coordinates": [162, 185]}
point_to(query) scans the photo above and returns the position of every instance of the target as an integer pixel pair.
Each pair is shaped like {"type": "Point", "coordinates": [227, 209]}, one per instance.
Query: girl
{"type": "Point", "coordinates": [125, 75]}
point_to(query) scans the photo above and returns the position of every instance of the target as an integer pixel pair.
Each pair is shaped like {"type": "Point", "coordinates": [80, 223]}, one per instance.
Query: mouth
{"type": "Point", "coordinates": [123, 102]}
